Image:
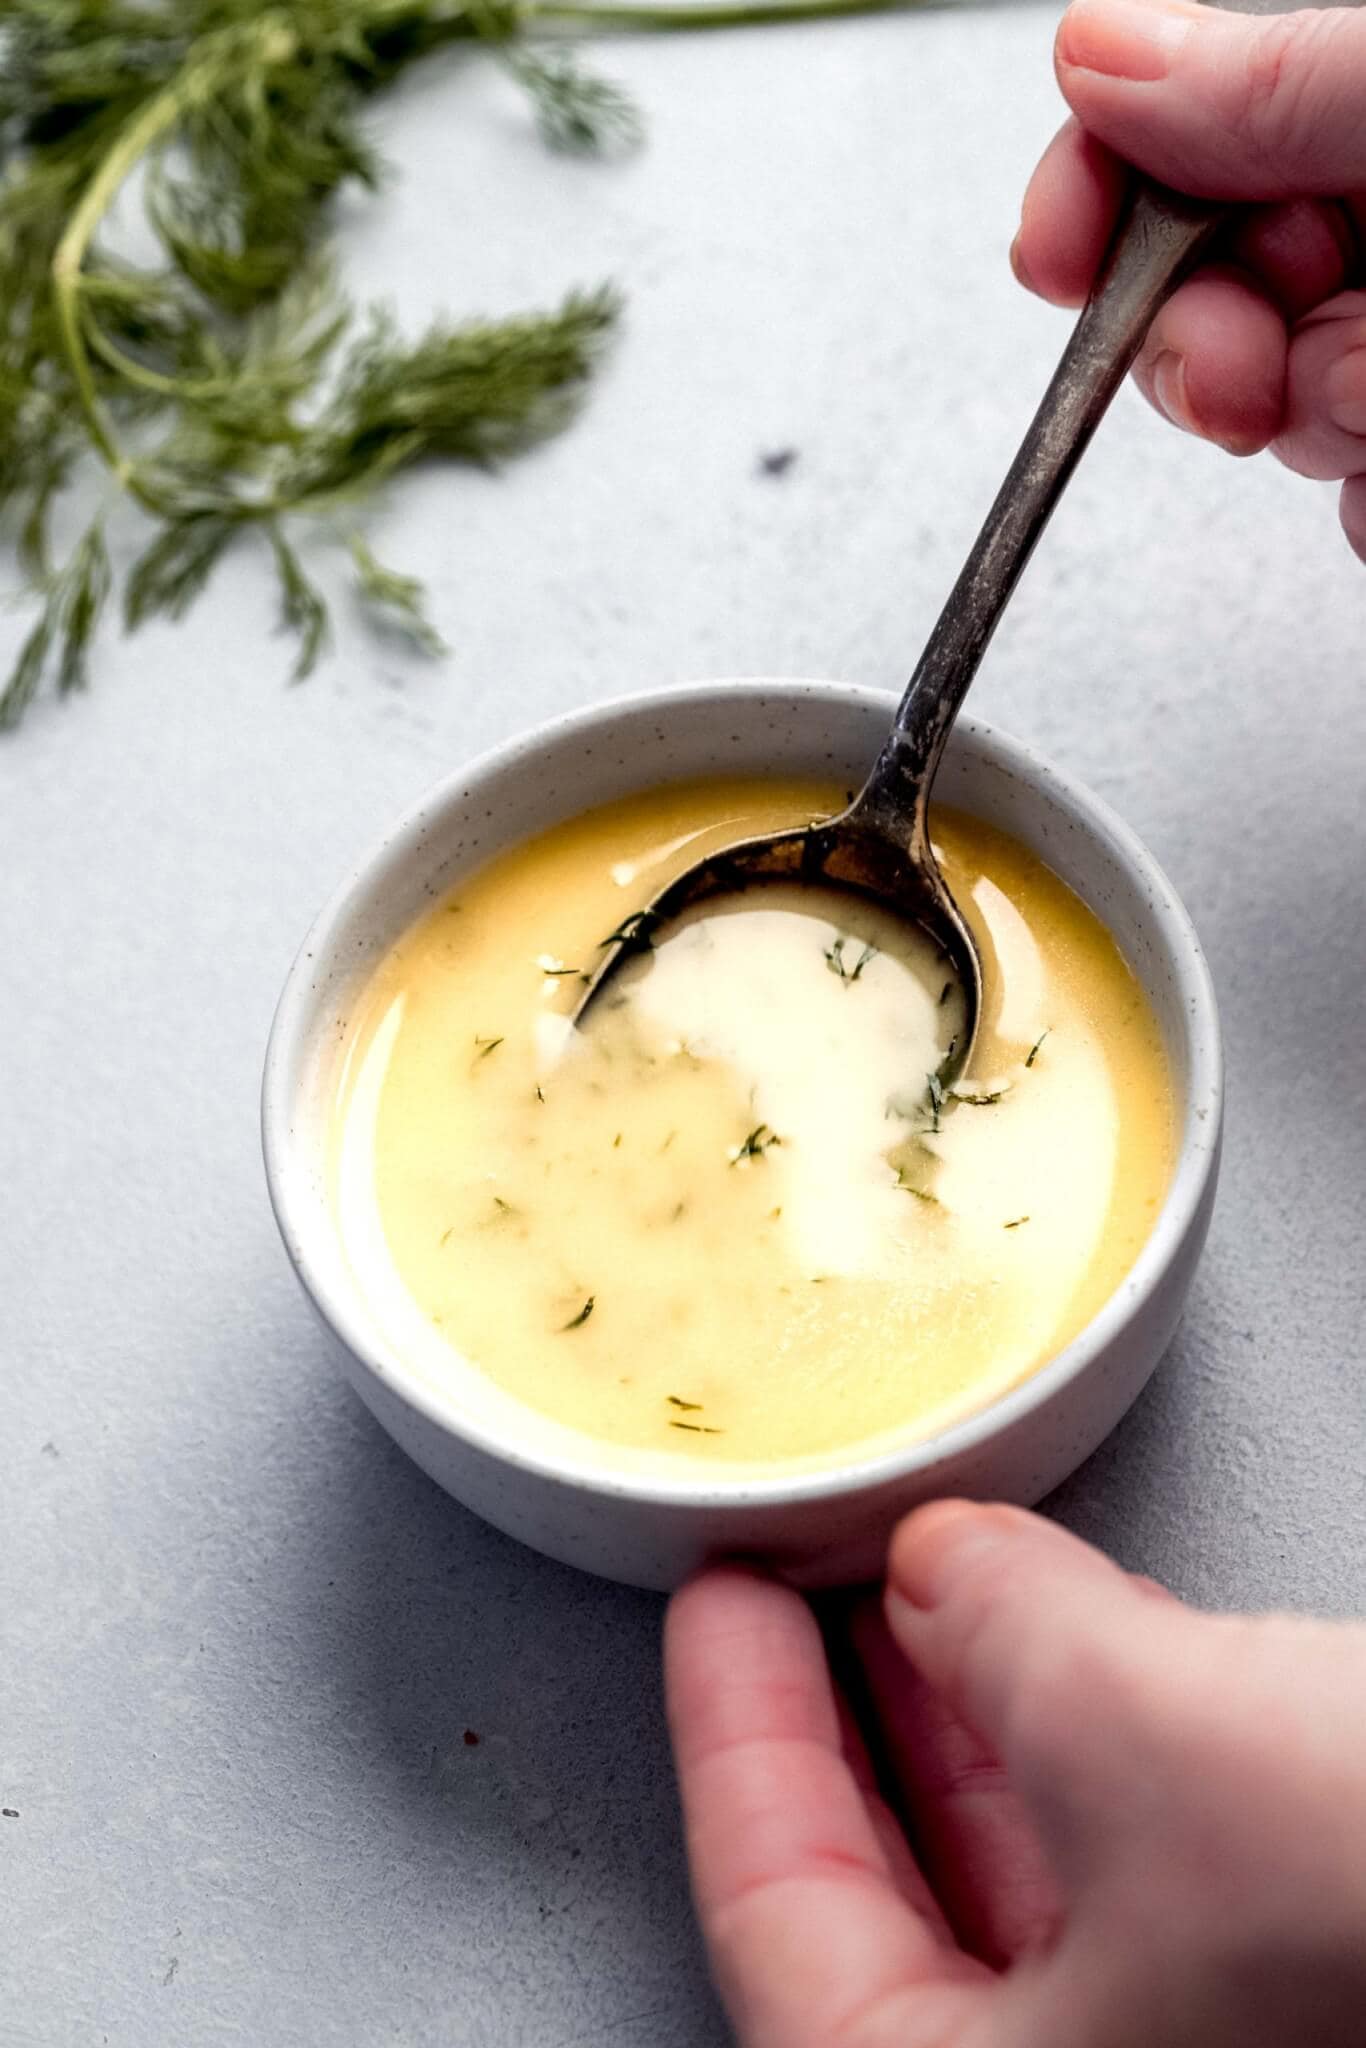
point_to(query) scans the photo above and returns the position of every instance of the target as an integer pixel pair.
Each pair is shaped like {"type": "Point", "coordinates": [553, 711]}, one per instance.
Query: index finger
{"type": "Point", "coordinates": [1298, 252]}
{"type": "Point", "coordinates": [1068, 215]}
{"type": "Point", "coordinates": [810, 1938]}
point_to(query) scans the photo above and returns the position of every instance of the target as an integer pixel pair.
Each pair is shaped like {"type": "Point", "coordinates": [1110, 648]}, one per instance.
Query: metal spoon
{"type": "Point", "coordinates": [879, 847]}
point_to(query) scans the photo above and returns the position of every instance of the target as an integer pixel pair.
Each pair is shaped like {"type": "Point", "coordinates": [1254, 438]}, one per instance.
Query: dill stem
{"type": "Point", "coordinates": [274, 42]}
{"type": "Point", "coordinates": [146, 378]}
{"type": "Point", "coordinates": [677, 15]}
{"type": "Point", "coordinates": [160, 113]}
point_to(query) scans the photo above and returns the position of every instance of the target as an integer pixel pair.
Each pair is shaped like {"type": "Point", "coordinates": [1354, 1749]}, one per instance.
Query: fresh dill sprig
{"type": "Point", "coordinates": [225, 385]}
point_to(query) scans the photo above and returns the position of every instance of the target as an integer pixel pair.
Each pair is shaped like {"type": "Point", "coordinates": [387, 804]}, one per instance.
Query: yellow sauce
{"type": "Point", "coordinates": [737, 1219]}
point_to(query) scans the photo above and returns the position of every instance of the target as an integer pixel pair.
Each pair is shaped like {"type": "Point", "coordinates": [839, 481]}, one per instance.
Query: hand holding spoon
{"type": "Point", "coordinates": [879, 846]}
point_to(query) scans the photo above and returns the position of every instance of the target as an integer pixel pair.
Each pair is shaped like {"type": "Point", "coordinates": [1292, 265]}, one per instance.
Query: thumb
{"type": "Point", "coordinates": [1043, 1647]}
{"type": "Point", "coordinates": [1225, 105]}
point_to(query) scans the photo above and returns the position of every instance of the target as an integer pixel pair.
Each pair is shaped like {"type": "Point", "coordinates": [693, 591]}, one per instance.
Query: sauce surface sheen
{"type": "Point", "coordinates": [738, 1218]}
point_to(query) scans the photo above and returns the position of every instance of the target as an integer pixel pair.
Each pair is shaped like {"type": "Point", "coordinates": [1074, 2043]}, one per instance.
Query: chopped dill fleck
{"type": "Point", "coordinates": [1015, 1224]}
{"type": "Point", "coordinates": [554, 973]}
{"type": "Point", "coordinates": [668, 1141]}
{"type": "Point", "coordinates": [935, 1091]}
{"type": "Point", "coordinates": [447, 1233]}
{"type": "Point", "coordinates": [697, 1428]}
{"type": "Point", "coordinates": [834, 959]}
{"type": "Point", "coordinates": [1033, 1053]}
{"type": "Point", "coordinates": [581, 1318]}
{"type": "Point", "coordinates": [756, 1144]}
{"type": "Point", "coordinates": [635, 933]}
{"type": "Point", "coordinates": [540, 1093]}
{"type": "Point", "coordinates": [679, 1208]}
{"type": "Point", "coordinates": [945, 992]}
{"type": "Point", "coordinates": [616, 1141]}
{"type": "Point", "coordinates": [774, 1214]}
{"type": "Point", "coordinates": [909, 1188]}
{"type": "Point", "coordinates": [487, 1045]}
{"type": "Point", "coordinates": [677, 1401]}
{"type": "Point", "coordinates": [981, 1101]}
{"type": "Point", "coordinates": [503, 1208]}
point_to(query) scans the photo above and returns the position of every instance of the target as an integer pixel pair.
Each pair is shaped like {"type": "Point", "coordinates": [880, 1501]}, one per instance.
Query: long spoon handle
{"type": "Point", "coordinates": [1158, 240]}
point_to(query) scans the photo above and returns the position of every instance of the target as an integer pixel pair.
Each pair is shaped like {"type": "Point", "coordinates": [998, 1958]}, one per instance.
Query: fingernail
{"type": "Point", "coordinates": [1345, 389]}
{"type": "Point", "coordinates": [1352, 508]}
{"type": "Point", "coordinates": [1017, 264]}
{"type": "Point", "coordinates": [1169, 389]}
{"type": "Point", "coordinates": [942, 1541]}
{"type": "Point", "coordinates": [1121, 38]}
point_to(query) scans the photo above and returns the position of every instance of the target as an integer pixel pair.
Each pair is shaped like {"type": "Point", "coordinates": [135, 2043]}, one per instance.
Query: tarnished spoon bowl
{"type": "Point", "coordinates": [845, 852]}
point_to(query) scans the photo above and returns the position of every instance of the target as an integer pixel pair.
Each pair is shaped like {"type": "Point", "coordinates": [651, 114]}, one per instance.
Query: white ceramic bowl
{"type": "Point", "coordinates": [543, 1483]}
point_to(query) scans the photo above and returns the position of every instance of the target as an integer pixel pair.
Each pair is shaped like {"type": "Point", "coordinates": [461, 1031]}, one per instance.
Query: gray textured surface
{"type": "Point", "coordinates": [242, 1638]}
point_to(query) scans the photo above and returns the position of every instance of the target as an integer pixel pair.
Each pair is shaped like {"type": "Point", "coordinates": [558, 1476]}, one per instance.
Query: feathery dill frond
{"type": "Point", "coordinates": [393, 600]}
{"type": "Point", "coordinates": [576, 111]}
{"type": "Point", "coordinates": [60, 640]}
{"type": "Point", "coordinates": [171, 572]}
{"type": "Point", "coordinates": [302, 610]}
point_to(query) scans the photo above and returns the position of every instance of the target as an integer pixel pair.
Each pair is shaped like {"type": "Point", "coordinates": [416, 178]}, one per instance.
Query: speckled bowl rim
{"type": "Point", "coordinates": [1197, 1157]}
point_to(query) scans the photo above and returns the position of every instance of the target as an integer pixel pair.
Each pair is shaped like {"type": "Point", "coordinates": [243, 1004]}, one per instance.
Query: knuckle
{"type": "Point", "coordinates": [1302, 457]}
{"type": "Point", "coordinates": [1272, 97]}
{"type": "Point", "coordinates": [1069, 1692]}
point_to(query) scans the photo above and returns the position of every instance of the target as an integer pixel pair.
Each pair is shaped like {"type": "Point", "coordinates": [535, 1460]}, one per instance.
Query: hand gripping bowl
{"type": "Point", "coordinates": [548, 1485]}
